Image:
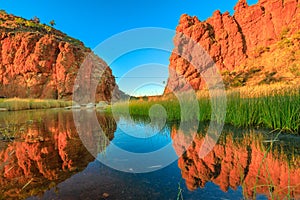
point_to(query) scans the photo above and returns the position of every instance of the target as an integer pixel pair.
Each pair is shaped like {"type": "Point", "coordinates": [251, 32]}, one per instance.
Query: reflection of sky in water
{"type": "Point", "coordinates": [139, 147]}
{"type": "Point", "coordinates": [140, 138]}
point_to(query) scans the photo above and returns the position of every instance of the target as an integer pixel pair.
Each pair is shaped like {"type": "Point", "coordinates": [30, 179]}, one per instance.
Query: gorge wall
{"type": "Point", "coordinates": [258, 41]}
{"type": "Point", "coordinates": [38, 61]}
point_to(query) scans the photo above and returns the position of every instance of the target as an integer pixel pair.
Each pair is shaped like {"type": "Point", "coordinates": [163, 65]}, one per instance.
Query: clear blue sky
{"type": "Point", "coordinates": [94, 21]}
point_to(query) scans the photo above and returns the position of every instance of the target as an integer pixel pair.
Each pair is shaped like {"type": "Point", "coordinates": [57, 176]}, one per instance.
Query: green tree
{"type": "Point", "coordinates": [36, 19]}
{"type": "Point", "coordinates": [52, 23]}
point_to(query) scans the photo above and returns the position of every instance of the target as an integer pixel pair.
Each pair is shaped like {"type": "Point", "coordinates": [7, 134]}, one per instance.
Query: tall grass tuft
{"type": "Point", "coordinates": [275, 111]}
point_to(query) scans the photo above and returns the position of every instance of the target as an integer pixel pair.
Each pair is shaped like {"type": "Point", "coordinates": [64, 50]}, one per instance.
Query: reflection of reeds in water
{"type": "Point", "coordinates": [249, 160]}
{"type": "Point", "coordinates": [276, 108]}
{"type": "Point", "coordinates": [290, 156]}
{"type": "Point", "coordinates": [179, 194]}
{"type": "Point", "coordinates": [271, 185]}
{"type": "Point", "coordinates": [11, 129]}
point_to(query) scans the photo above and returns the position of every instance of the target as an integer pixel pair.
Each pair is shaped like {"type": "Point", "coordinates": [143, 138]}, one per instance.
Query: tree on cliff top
{"type": "Point", "coordinates": [52, 23]}
{"type": "Point", "coordinates": [36, 19]}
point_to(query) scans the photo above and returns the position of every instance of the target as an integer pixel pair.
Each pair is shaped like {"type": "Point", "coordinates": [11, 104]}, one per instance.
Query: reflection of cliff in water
{"type": "Point", "coordinates": [241, 159]}
{"type": "Point", "coordinates": [46, 150]}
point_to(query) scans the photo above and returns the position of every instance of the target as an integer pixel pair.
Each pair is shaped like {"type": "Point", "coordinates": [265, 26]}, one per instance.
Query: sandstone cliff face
{"type": "Point", "coordinates": [47, 151]}
{"type": "Point", "coordinates": [235, 42]}
{"type": "Point", "coordinates": [235, 162]}
{"type": "Point", "coordinates": [37, 61]}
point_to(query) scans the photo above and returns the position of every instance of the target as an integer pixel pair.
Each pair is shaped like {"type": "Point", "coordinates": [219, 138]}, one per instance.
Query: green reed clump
{"type": "Point", "coordinates": [204, 109]}
{"type": "Point", "coordinates": [275, 111]}
{"type": "Point", "coordinates": [142, 108]}
{"type": "Point", "coordinates": [281, 112]}
{"type": "Point", "coordinates": [278, 110]}
{"type": "Point", "coordinates": [242, 111]}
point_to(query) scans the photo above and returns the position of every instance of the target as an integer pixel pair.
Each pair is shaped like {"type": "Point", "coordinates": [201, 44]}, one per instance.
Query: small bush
{"type": "Point", "coordinates": [295, 69]}
{"type": "Point", "coordinates": [3, 12]}
{"type": "Point", "coordinates": [20, 21]}
{"type": "Point", "coordinates": [269, 78]}
{"type": "Point", "coordinates": [72, 41]}
{"type": "Point", "coordinates": [284, 32]}
{"type": "Point", "coordinates": [260, 50]}
{"type": "Point", "coordinates": [285, 42]}
{"type": "Point", "coordinates": [48, 28]}
{"type": "Point", "coordinates": [31, 24]}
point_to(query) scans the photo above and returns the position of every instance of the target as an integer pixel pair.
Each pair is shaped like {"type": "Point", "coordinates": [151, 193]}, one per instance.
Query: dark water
{"type": "Point", "coordinates": [46, 155]}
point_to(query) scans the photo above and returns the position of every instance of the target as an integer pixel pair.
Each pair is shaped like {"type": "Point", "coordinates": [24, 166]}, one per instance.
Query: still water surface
{"type": "Point", "coordinates": [42, 156]}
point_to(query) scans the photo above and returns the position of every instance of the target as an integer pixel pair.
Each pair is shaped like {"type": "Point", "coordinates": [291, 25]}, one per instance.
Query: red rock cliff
{"type": "Point", "coordinates": [37, 61]}
{"type": "Point", "coordinates": [234, 41]}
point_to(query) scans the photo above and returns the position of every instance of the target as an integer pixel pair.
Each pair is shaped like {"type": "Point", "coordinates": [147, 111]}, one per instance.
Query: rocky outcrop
{"type": "Point", "coordinates": [239, 161]}
{"type": "Point", "coordinates": [233, 41]}
{"type": "Point", "coordinates": [47, 150]}
{"type": "Point", "coordinates": [37, 61]}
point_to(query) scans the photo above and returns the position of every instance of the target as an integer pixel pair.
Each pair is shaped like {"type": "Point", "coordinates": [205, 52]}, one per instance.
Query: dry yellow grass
{"type": "Point", "coordinates": [265, 90]}
{"type": "Point", "coordinates": [276, 63]}
{"type": "Point", "coordinates": [243, 92]}
{"type": "Point", "coordinates": [14, 104]}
